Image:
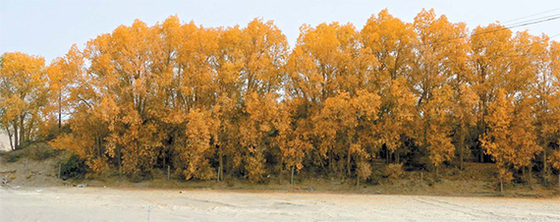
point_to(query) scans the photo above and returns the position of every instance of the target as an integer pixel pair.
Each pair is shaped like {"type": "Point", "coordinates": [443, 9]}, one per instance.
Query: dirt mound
{"type": "Point", "coordinates": [31, 173]}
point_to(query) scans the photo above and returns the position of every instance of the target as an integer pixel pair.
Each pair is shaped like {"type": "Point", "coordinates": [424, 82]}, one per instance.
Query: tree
{"type": "Point", "coordinates": [365, 106]}
{"type": "Point", "coordinates": [397, 115]}
{"type": "Point", "coordinates": [524, 137]}
{"type": "Point", "coordinates": [490, 47]}
{"type": "Point", "coordinates": [496, 139]}
{"type": "Point", "coordinates": [122, 73]}
{"type": "Point", "coordinates": [91, 113]}
{"type": "Point", "coordinates": [326, 61]}
{"type": "Point", "coordinates": [389, 40]}
{"type": "Point", "coordinates": [195, 151]}
{"type": "Point", "coordinates": [255, 128]}
{"type": "Point", "coordinates": [327, 66]}
{"type": "Point", "coordinates": [293, 145]}
{"type": "Point", "coordinates": [184, 80]}
{"type": "Point", "coordinates": [62, 75]}
{"type": "Point", "coordinates": [334, 128]}
{"type": "Point", "coordinates": [342, 126]}
{"type": "Point", "coordinates": [546, 92]}
{"type": "Point", "coordinates": [23, 92]}
{"type": "Point", "coordinates": [438, 130]}
{"type": "Point", "coordinates": [441, 57]}
{"type": "Point", "coordinates": [510, 139]}
{"type": "Point", "coordinates": [464, 116]}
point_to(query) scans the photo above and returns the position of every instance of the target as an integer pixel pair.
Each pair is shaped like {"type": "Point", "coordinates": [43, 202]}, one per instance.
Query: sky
{"type": "Point", "coordinates": [49, 28]}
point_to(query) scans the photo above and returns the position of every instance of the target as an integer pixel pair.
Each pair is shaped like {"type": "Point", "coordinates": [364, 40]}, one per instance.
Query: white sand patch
{"type": "Point", "coordinates": [4, 142]}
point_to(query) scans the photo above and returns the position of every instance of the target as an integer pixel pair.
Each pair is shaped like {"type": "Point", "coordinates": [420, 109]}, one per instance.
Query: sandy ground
{"type": "Point", "coordinates": [107, 204]}
{"type": "Point", "coordinates": [4, 142]}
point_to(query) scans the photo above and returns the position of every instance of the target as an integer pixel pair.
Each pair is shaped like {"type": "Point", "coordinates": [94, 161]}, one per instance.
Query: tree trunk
{"type": "Point", "coordinates": [221, 160]}
{"type": "Point", "coordinates": [99, 145]}
{"type": "Point", "coordinates": [21, 130]}
{"type": "Point", "coordinates": [530, 176]}
{"type": "Point", "coordinates": [461, 151]}
{"type": "Point", "coordinates": [545, 170]}
{"type": "Point", "coordinates": [119, 162]}
{"type": "Point", "coordinates": [348, 163]}
{"type": "Point", "coordinates": [331, 163]}
{"type": "Point", "coordinates": [164, 157]}
{"type": "Point", "coordinates": [357, 181]}
{"type": "Point", "coordinates": [501, 186]}
{"type": "Point", "coordinates": [10, 135]}
{"type": "Point", "coordinates": [16, 135]}
{"type": "Point", "coordinates": [461, 145]}
{"type": "Point", "coordinates": [387, 154]}
{"type": "Point", "coordinates": [281, 164]}
{"type": "Point", "coordinates": [59, 112]}
{"type": "Point", "coordinates": [28, 134]}
{"type": "Point", "coordinates": [436, 176]}
{"type": "Point", "coordinates": [292, 179]}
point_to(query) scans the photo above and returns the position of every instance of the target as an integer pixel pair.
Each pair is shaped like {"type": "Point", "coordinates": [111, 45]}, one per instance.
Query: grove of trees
{"type": "Point", "coordinates": [242, 101]}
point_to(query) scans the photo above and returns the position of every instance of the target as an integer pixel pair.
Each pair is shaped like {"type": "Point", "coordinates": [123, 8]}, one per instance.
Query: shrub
{"type": "Point", "coordinates": [73, 167]}
{"type": "Point", "coordinates": [364, 170]}
{"type": "Point", "coordinates": [42, 151]}
{"type": "Point", "coordinates": [255, 166]}
{"type": "Point", "coordinates": [11, 157]}
{"type": "Point", "coordinates": [98, 166]}
{"type": "Point", "coordinates": [394, 171]}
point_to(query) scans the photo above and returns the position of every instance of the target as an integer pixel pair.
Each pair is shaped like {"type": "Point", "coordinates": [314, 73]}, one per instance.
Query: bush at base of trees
{"type": "Point", "coordinates": [73, 167]}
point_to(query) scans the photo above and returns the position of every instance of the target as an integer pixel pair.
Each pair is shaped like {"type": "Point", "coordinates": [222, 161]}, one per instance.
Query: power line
{"type": "Point", "coordinates": [547, 19]}
{"type": "Point", "coordinates": [529, 16]}
{"type": "Point", "coordinates": [517, 25]}
{"type": "Point", "coordinates": [530, 20]}
{"type": "Point", "coordinates": [554, 36]}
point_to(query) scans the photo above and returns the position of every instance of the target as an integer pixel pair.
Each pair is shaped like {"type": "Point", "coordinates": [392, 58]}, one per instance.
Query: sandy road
{"type": "Point", "coordinates": [99, 204]}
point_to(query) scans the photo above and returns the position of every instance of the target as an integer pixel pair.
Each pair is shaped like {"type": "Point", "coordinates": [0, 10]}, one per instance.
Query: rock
{"type": "Point", "coordinates": [6, 180]}
{"type": "Point", "coordinates": [377, 192]}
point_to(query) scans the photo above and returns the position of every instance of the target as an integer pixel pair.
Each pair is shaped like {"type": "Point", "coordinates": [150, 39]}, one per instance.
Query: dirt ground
{"type": "Point", "coordinates": [107, 204]}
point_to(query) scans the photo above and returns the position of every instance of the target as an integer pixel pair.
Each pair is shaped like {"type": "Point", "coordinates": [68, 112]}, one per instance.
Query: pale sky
{"type": "Point", "coordinates": [49, 28]}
